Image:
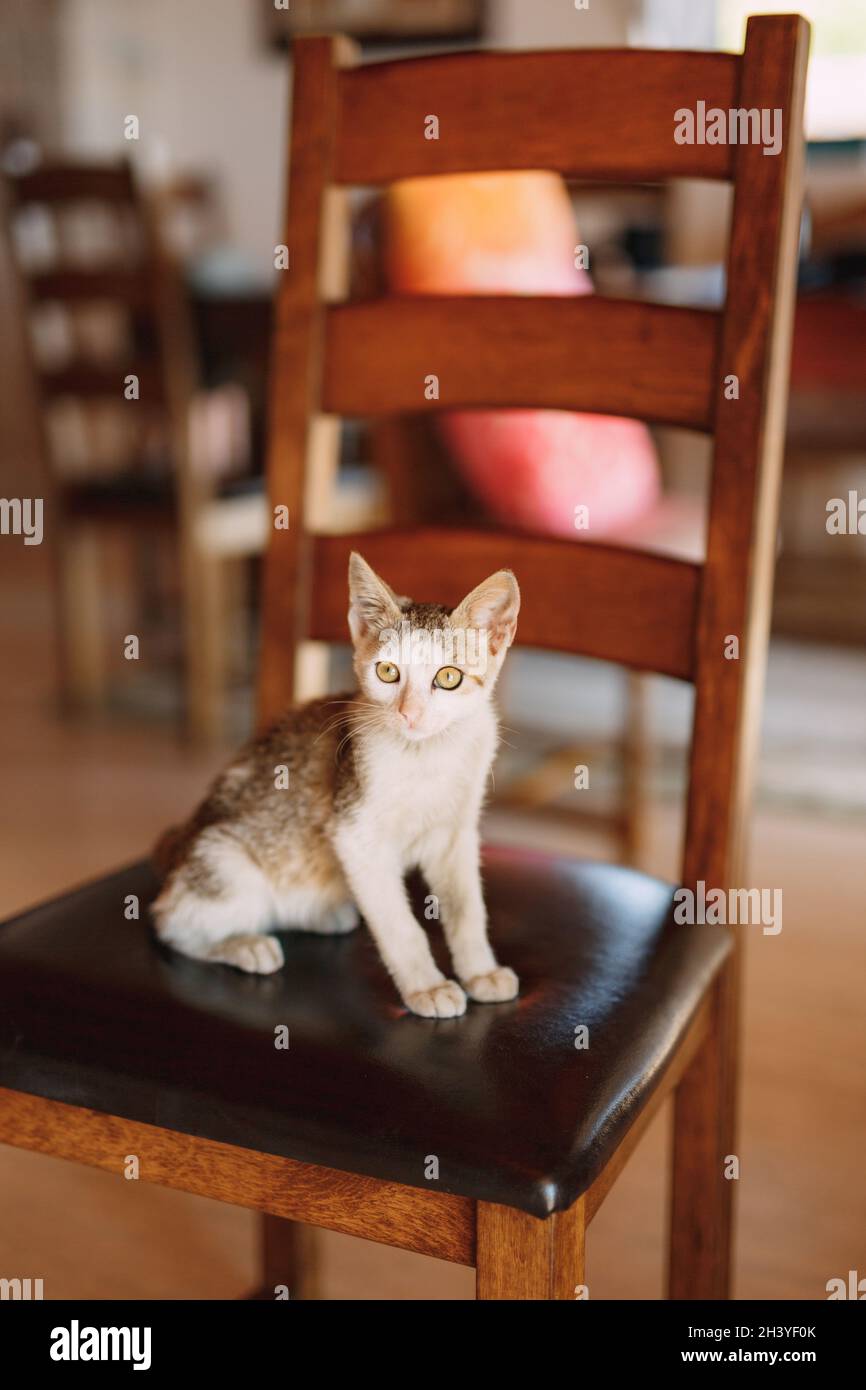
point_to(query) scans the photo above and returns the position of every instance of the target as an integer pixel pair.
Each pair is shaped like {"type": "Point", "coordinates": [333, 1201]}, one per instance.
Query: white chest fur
{"type": "Point", "coordinates": [413, 790]}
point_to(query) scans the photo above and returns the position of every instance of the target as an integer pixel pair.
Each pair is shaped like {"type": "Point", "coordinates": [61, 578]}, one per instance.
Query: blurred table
{"type": "Point", "coordinates": [828, 373]}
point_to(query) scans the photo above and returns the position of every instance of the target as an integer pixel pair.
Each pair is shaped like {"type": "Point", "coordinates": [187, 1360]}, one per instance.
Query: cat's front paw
{"type": "Point", "coordinates": [495, 987]}
{"type": "Point", "coordinates": [257, 955]}
{"type": "Point", "coordinates": [442, 1001]}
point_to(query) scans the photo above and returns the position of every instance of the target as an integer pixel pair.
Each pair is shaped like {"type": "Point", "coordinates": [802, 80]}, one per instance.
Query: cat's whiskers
{"type": "Point", "coordinates": [508, 728]}
{"type": "Point", "coordinates": [360, 725]}
{"type": "Point", "coordinates": [335, 723]}
{"type": "Point", "coordinates": [349, 716]}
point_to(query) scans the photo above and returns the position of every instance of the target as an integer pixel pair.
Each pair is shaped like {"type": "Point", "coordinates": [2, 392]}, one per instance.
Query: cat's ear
{"type": "Point", "coordinates": [493, 607]}
{"type": "Point", "coordinates": [372, 604]}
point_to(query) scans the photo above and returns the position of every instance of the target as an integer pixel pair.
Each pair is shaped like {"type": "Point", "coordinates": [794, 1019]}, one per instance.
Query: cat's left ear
{"type": "Point", "coordinates": [493, 607]}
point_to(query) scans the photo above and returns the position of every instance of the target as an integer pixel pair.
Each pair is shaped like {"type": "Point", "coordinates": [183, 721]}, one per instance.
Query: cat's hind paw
{"type": "Point", "coordinates": [496, 987]}
{"type": "Point", "coordinates": [257, 955]}
{"type": "Point", "coordinates": [442, 1001]}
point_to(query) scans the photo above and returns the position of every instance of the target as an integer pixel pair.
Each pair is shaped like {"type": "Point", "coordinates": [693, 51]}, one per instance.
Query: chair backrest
{"type": "Point", "coordinates": [591, 115]}
{"type": "Point", "coordinates": [97, 249]}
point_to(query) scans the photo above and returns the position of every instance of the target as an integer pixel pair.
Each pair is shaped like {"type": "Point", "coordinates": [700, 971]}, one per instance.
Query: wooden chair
{"type": "Point", "coordinates": [163, 461]}
{"type": "Point", "coordinates": [489, 1140]}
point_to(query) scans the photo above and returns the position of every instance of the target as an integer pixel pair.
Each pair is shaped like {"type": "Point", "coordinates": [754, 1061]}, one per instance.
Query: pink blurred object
{"type": "Point", "coordinates": [533, 468]}
{"type": "Point", "coordinates": [515, 234]}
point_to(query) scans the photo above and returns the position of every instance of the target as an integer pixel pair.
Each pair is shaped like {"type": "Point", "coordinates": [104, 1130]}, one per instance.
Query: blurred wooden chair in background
{"type": "Point", "coordinates": [131, 443]}
{"type": "Point", "coordinates": [529, 1131]}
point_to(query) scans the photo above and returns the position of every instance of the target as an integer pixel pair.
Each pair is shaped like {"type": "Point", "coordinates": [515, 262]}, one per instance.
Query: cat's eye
{"type": "Point", "coordinates": [387, 672]}
{"type": "Point", "coordinates": [448, 678]}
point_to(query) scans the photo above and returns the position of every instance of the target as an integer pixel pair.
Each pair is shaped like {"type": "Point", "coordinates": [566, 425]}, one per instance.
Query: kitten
{"type": "Point", "coordinates": [388, 778]}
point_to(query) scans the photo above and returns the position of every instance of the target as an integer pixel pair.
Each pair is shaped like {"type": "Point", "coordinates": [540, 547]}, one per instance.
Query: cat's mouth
{"type": "Point", "coordinates": [415, 735]}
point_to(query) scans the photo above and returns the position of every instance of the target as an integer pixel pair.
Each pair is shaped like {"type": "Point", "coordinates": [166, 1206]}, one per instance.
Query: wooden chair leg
{"type": "Point", "coordinates": [703, 1187]}
{"type": "Point", "coordinates": [635, 754]}
{"type": "Point", "coordinates": [82, 637]}
{"type": "Point", "coordinates": [520, 1257]}
{"type": "Point", "coordinates": [289, 1259]}
{"type": "Point", "coordinates": [205, 648]}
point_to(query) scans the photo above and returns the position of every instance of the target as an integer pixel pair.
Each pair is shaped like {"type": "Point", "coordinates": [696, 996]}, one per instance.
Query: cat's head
{"type": "Point", "coordinates": [422, 665]}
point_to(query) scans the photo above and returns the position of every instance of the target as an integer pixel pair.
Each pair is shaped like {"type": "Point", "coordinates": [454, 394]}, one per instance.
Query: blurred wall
{"type": "Point", "coordinates": [209, 94]}
{"type": "Point", "coordinates": [29, 69]}
{"type": "Point", "coordinates": [558, 24]}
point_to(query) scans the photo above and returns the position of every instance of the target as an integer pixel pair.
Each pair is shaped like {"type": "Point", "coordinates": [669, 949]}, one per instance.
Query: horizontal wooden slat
{"type": "Point", "coordinates": [91, 380]}
{"type": "Point", "coordinates": [588, 113]}
{"type": "Point", "coordinates": [130, 286]}
{"type": "Point", "coordinates": [70, 183]}
{"type": "Point", "coordinates": [429, 1222]}
{"type": "Point", "coordinates": [653, 362]}
{"type": "Point", "coordinates": [602, 601]}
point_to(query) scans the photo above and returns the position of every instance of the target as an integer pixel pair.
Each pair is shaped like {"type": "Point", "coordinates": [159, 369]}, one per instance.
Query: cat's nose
{"type": "Point", "coordinates": [410, 717]}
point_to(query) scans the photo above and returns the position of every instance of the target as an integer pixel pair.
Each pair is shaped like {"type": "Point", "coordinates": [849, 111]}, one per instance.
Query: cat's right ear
{"type": "Point", "coordinates": [372, 605]}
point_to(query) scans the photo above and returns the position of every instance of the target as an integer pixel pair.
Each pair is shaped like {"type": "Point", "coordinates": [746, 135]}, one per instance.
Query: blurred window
{"type": "Point", "coordinates": [836, 92]}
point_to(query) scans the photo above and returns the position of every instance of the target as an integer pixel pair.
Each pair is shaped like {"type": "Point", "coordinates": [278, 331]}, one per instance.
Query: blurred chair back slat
{"type": "Point", "coordinates": [88, 381]}
{"type": "Point", "coordinates": [650, 361]}
{"type": "Point", "coordinates": [586, 113]}
{"type": "Point", "coordinates": [75, 182]}
{"type": "Point", "coordinates": [130, 287]}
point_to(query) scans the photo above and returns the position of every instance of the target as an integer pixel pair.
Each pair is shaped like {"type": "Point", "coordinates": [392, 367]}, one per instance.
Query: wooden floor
{"type": "Point", "coordinates": [79, 799]}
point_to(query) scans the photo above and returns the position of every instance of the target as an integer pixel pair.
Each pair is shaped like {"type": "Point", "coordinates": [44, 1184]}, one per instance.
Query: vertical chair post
{"type": "Point", "coordinates": [79, 564]}
{"type": "Point", "coordinates": [704, 1124]}
{"type": "Point", "coordinates": [317, 242]}
{"type": "Point", "coordinates": [735, 607]}
{"type": "Point", "coordinates": [636, 767]}
{"type": "Point", "coordinates": [520, 1257]}
{"type": "Point", "coordinates": [289, 1259]}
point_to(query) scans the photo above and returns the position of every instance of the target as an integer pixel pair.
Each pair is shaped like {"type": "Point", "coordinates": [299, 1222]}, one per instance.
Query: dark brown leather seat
{"type": "Point", "coordinates": [95, 1012]}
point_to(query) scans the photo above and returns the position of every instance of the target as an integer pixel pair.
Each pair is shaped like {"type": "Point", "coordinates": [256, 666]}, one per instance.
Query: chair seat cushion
{"type": "Point", "coordinates": [94, 1011]}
